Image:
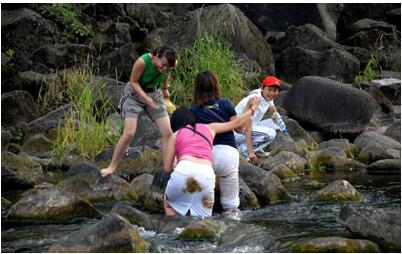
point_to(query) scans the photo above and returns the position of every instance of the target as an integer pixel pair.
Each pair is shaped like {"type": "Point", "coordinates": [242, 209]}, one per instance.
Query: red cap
{"type": "Point", "coordinates": [271, 81]}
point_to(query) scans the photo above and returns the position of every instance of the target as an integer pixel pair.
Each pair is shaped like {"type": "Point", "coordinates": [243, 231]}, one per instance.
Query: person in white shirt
{"type": "Point", "coordinates": [259, 133]}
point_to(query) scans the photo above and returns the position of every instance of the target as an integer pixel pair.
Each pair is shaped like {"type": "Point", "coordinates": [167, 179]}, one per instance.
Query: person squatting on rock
{"type": "Point", "coordinates": [209, 108]}
{"type": "Point", "coordinates": [144, 92]}
{"type": "Point", "coordinates": [259, 133]}
{"type": "Point", "coordinates": [190, 188]}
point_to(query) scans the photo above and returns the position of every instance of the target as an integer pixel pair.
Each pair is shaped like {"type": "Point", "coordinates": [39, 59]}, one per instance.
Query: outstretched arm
{"type": "Point", "coordinates": [168, 156]}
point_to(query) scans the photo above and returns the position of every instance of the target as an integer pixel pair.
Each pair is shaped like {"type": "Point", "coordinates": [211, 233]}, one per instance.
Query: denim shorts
{"type": "Point", "coordinates": [131, 104]}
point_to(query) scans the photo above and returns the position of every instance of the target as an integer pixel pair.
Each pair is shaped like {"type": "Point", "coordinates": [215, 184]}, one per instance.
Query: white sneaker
{"type": "Point", "coordinates": [261, 153]}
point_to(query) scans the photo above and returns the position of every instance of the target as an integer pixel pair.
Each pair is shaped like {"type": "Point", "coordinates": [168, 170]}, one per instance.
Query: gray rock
{"type": "Point", "coordinates": [204, 229]}
{"type": "Point", "coordinates": [142, 184]}
{"type": "Point", "coordinates": [340, 190]}
{"type": "Point", "coordinates": [19, 172]}
{"type": "Point", "coordinates": [38, 145]}
{"type": "Point", "coordinates": [17, 107]}
{"type": "Point", "coordinates": [49, 121]}
{"type": "Point", "coordinates": [335, 244]}
{"type": "Point", "coordinates": [387, 166]}
{"type": "Point", "coordinates": [394, 131]}
{"type": "Point", "coordinates": [266, 186]}
{"type": "Point", "coordinates": [135, 216]}
{"type": "Point", "coordinates": [51, 204]}
{"type": "Point", "coordinates": [112, 234]}
{"type": "Point", "coordinates": [329, 105]}
{"type": "Point", "coordinates": [293, 161]}
{"type": "Point", "coordinates": [247, 197]}
{"type": "Point", "coordinates": [297, 132]}
{"type": "Point", "coordinates": [381, 225]}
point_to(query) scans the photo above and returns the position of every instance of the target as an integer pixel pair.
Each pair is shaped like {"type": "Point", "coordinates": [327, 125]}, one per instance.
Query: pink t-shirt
{"type": "Point", "coordinates": [190, 143]}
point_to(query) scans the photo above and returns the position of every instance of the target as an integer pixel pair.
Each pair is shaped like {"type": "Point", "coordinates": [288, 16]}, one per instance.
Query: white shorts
{"type": "Point", "coordinates": [226, 166]}
{"type": "Point", "coordinates": [191, 188]}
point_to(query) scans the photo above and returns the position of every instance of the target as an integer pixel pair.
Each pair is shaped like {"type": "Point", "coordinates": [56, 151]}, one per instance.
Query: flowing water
{"type": "Point", "coordinates": [272, 228]}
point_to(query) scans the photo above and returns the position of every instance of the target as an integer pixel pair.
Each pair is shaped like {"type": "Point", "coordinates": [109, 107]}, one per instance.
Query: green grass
{"type": "Point", "coordinates": [370, 72]}
{"type": "Point", "coordinates": [84, 132]}
{"type": "Point", "coordinates": [209, 52]}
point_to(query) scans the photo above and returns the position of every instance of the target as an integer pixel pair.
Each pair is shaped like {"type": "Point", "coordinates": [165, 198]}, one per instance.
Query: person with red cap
{"type": "Point", "coordinates": [259, 133]}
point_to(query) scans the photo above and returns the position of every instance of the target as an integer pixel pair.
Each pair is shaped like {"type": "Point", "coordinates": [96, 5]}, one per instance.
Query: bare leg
{"type": "Point", "coordinates": [165, 130]}
{"type": "Point", "coordinates": [130, 126]}
{"type": "Point", "coordinates": [169, 211]}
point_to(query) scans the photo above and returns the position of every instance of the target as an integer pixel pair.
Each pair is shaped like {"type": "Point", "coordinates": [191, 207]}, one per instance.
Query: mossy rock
{"type": "Point", "coordinates": [340, 190]}
{"type": "Point", "coordinates": [37, 145]}
{"type": "Point", "coordinates": [335, 245]}
{"type": "Point", "coordinates": [205, 229]}
{"type": "Point", "coordinates": [284, 173]}
{"type": "Point", "coordinates": [314, 184]}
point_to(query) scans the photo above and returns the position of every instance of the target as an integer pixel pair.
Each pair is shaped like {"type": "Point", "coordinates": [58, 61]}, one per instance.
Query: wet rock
{"type": "Point", "coordinates": [342, 144]}
{"type": "Point", "coordinates": [335, 244]}
{"type": "Point", "coordinates": [153, 200]}
{"type": "Point", "coordinates": [205, 229]}
{"type": "Point", "coordinates": [375, 152]}
{"type": "Point", "coordinates": [332, 158]}
{"type": "Point", "coordinates": [340, 190]}
{"type": "Point", "coordinates": [135, 216]}
{"type": "Point", "coordinates": [381, 225]}
{"type": "Point", "coordinates": [51, 204]}
{"type": "Point", "coordinates": [267, 186]}
{"type": "Point", "coordinates": [291, 160]}
{"type": "Point", "coordinates": [314, 185]}
{"type": "Point", "coordinates": [297, 132]}
{"type": "Point", "coordinates": [374, 138]}
{"type": "Point", "coordinates": [247, 197]}
{"type": "Point", "coordinates": [284, 173]}
{"type": "Point", "coordinates": [19, 172]}
{"type": "Point", "coordinates": [329, 105]}
{"type": "Point", "coordinates": [112, 234]}
{"type": "Point", "coordinates": [83, 167]}
{"type": "Point", "coordinates": [394, 131]}
{"type": "Point", "coordinates": [38, 145]}
{"type": "Point", "coordinates": [98, 188]}
{"type": "Point", "coordinates": [388, 166]}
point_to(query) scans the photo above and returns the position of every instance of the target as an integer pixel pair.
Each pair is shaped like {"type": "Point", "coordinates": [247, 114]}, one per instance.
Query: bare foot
{"type": "Point", "coordinates": [106, 171]}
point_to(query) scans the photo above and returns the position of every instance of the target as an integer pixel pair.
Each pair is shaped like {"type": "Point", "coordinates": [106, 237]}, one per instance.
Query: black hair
{"type": "Point", "coordinates": [182, 117]}
{"type": "Point", "coordinates": [168, 52]}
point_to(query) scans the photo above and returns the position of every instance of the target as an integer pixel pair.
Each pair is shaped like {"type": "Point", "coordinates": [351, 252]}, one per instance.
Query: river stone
{"type": "Point", "coordinates": [394, 131]}
{"type": "Point", "coordinates": [83, 167]}
{"type": "Point", "coordinates": [375, 138]}
{"type": "Point", "coordinates": [135, 216]}
{"type": "Point", "coordinates": [335, 244]}
{"type": "Point", "coordinates": [284, 173]}
{"type": "Point", "coordinates": [38, 145]}
{"type": "Point", "coordinates": [375, 152]}
{"type": "Point", "coordinates": [293, 161]}
{"type": "Point", "coordinates": [52, 204]}
{"type": "Point", "coordinates": [49, 121]}
{"type": "Point", "coordinates": [290, 146]}
{"type": "Point", "coordinates": [266, 186]}
{"type": "Point", "coordinates": [329, 105]}
{"type": "Point", "coordinates": [382, 225]}
{"type": "Point", "coordinates": [340, 190]}
{"type": "Point", "coordinates": [247, 197]}
{"type": "Point", "coordinates": [388, 166]}
{"type": "Point", "coordinates": [204, 229]}
{"type": "Point", "coordinates": [147, 133]}
{"type": "Point", "coordinates": [340, 143]}
{"type": "Point", "coordinates": [19, 172]}
{"type": "Point", "coordinates": [297, 132]}
{"type": "Point", "coordinates": [332, 158]}
{"type": "Point", "coordinates": [153, 200]}
{"type": "Point", "coordinates": [98, 188]}
{"type": "Point", "coordinates": [112, 234]}
{"type": "Point", "coordinates": [142, 185]}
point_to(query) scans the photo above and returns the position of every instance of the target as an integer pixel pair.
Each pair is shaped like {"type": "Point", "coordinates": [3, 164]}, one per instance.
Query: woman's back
{"type": "Point", "coordinates": [196, 143]}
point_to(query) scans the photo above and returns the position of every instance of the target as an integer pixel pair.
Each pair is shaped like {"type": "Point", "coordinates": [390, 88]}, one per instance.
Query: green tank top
{"type": "Point", "coordinates": [150, 73]}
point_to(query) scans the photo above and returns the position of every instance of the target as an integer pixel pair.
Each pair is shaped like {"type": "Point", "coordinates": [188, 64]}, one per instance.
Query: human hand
{"type": "Point", "coordinates": [150, 102]}
{"type": "Point", "coordinates": [253, 103]}
{"type": "Point", "coordinates": [275, 116]}
{"type": "Point", "coordinates": [106, 171]}
{"type": "Point", "coordinates": [253, 158]}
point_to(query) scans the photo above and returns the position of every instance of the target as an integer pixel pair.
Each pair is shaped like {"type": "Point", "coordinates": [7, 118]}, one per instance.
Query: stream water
{"type": "Point", "coordinates": [272, 228]}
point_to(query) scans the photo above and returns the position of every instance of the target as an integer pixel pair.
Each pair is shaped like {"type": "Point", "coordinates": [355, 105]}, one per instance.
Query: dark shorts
{"type": "Point", "coordinates": [131, 104]}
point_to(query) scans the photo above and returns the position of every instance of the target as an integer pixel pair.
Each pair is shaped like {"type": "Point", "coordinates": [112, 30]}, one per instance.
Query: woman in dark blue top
{"type": "Point", "coordinates": [209, 108]}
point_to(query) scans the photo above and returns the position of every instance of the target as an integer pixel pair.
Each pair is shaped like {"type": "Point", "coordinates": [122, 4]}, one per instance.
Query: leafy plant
{"type": "Point", "coordinates": [370, 72]}
{"type": "Point", "coordinates": [63, 14]}
{"type": "Point", "coordinates": [209, 52]}
{"type": "Point", "coordinates": [10, 53]}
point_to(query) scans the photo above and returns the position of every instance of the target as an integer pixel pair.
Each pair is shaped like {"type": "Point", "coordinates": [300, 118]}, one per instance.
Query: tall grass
{"type": "Point", "coordinates": [370, 72]}
{"type": "Point", "coordinates": [84, 131]}
{"type": "Point", "coordinates": [209, 52]}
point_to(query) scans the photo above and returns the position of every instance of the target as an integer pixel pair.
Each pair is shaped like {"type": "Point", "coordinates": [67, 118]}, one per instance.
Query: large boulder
{"type": "Point", "coordinates": [19, 172]}
{"type": "Point", "coordinates": [379, 224]}
{"type": "Point", "coordinates": [340, 190]}
{"type": "Point", "coordinates": [112, 234]}
{"type": "Point", "coordinates": [21, 27]}
{"type": "Point", "coordinates": [266, 185]}
{"type": "Point", "coordinates": [52, 204]}
{"type": "Point", "coordinates": [329, 105]}
{"type": "Point", "coordinates": [17, 107]}
{"type": "Point", "coordinates": [297, 62]}
{"type": "Point", "coordinates": [228, 21]}
{"type": "Point", "coordinates": [387, 166]}
{"type": "Point", "coordinates": [375, 146]}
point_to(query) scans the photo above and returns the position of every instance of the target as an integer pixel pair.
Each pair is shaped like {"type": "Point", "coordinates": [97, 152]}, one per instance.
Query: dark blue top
{"type": "Point", "coordinates": [224, 110]}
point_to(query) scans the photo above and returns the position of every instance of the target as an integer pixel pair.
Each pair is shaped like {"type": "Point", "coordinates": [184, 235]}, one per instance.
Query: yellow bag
{"type": "Point", "coordinates": [169, 105]}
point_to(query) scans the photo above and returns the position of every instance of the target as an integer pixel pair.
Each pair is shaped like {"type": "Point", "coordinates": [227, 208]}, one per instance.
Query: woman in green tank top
{"type": "Point", "coordinates": [146, 90]}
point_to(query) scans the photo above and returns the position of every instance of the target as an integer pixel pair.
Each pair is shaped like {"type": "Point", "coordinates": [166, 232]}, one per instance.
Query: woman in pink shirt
{"type": "Point", "coordinates": [191, 185]}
